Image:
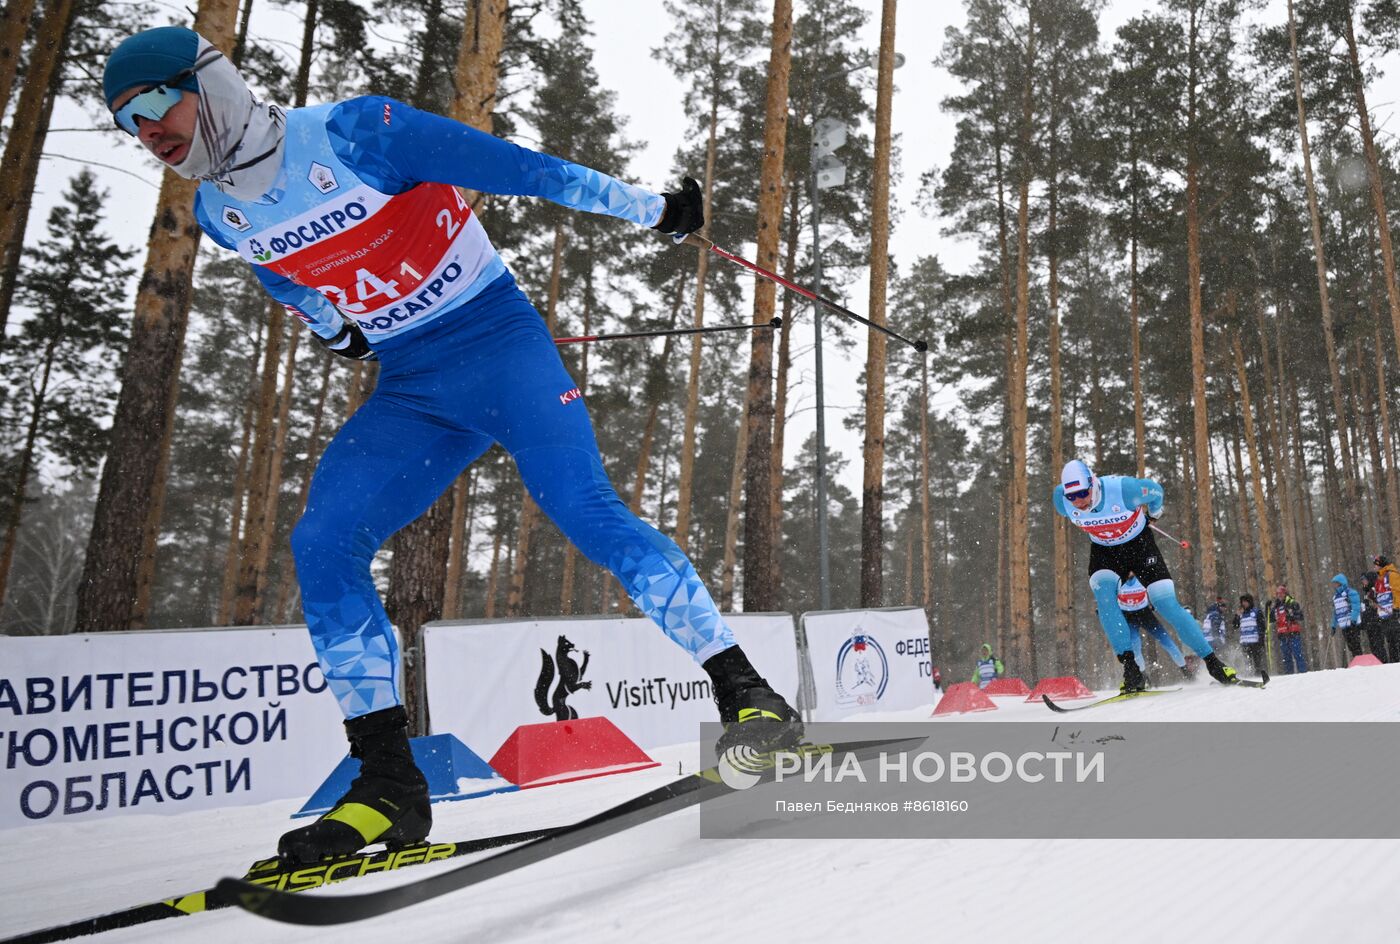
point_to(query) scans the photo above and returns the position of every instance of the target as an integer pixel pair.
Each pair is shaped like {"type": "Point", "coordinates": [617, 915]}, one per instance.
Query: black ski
{"type": "Point", "coordinates": [271, 873]}
{"type": "Point", "coordinates": [654, 804]}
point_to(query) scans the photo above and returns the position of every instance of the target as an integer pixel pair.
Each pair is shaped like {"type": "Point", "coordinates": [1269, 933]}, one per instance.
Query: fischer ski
{"type": "Point", "coordinates": [688, 791]}
{"type": "Point", "coordinates": [1121, 696]}
{"type": "Point", "coordinates": [1124, 696]}
{"type": "Point", "coordinates": [271, 873]}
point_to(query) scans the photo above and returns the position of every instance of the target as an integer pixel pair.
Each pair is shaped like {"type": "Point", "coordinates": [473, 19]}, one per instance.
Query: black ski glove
{"type": "Point", "coordinates": [685, 210]}
{"type": "Point", "coordinates": [349, 342]}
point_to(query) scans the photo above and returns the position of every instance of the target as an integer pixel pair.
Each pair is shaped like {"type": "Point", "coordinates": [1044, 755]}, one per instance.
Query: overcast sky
{"type": "Point", "coordinates": [625, 32]}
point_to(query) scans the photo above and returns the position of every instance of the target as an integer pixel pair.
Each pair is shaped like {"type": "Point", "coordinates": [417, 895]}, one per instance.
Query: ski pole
{"type": "Point", "coordinates": [700, 242]}
{"type": "Point", "coordinates": [665, 332]}
{"type": "Point", "coordinates": [1185, 544]}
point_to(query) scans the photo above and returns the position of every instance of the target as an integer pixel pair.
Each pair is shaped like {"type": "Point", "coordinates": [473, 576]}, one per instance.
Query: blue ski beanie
{"type": "Point", "coordinates": [151, 57]}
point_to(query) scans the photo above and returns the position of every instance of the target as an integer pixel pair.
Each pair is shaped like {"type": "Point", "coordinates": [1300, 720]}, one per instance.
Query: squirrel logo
{"type": "Point", "coordinates": [570, 680]}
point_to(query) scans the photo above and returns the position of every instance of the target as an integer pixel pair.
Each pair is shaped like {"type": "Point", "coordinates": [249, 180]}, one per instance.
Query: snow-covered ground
{"type": "Point", "coordinates": [660, 882]}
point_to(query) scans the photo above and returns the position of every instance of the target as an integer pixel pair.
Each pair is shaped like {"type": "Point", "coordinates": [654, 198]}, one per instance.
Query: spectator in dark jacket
{"type": "Point", "coordinates": [1249, 624]}
{"type": "Point", "coordinates": [1286, 615]}
{"type": "Point", "coordinates": [1346, 613]}
{"type": "Point", "coordinates": [1371, 620]}
{"type": "Point", "coordinates": [1213, 626]}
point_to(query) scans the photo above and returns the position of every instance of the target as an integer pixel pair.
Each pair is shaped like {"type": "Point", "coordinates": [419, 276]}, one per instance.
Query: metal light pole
{"type": "Point", "coordinates": [826, 171]}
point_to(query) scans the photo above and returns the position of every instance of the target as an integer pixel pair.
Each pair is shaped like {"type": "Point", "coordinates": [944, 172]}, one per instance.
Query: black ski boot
{"type": "Point", "coordinates": [1133, 679]}
{"type": "Point", "coordinates": [1219, 671]}
{"type": "Point", "coordinates": [387, 802]}
{"type": "Point", "coordinates": [754, 715]}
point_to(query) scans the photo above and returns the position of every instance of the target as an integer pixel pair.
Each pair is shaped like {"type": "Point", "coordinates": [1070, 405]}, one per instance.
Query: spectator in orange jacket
{"type": "Point", "coordinates": [1386, 587]}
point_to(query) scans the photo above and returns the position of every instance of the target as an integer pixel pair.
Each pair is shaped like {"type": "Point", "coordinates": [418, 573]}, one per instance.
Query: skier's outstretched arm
{"type": "Point", "coordinates": [1144, 493]}
{"type": "Point", "coordinates": [401, 146]}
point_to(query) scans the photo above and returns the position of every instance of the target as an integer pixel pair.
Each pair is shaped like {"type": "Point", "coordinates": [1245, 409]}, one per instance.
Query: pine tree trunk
{"type": "Point", "coordinates": [1362, 409]}
{"type": "Point", "coordinates": [872, 528]}
{"type": "Point", "coordinates": [14, 24]}
{"type": "Point", "coordinates": [1190, 562]}
{"type": "Point", "coordinates": [313, 454]}
{"type": "Point", "coordinates": [1308, 524]}
{"type": "Point", "coordinates": [1261, 507]}
{"type": "Point", "coordinates": [731, 518]}
{"type": "Point", "coordinates": [12, 241]}
{"type": "Point", "coordinates": [458, 549]}
{"type": "Point", "coordinates": [1282, 504]}
{"type": "Point", "coordinates": [1352, 504]}
{"type": "Point", "coordinates": [1018, 512]}
{"type": "Point", "coordinates": [1248, 572]}
{"type": "Point", "coordinates": [1392, 487]}
{"type": "Point", "coordinates": [926, 542]}
{"type": "Point", "coordinates": [240, 42]}
{"type": "Point", "coordinates": [908, 588]}
{"type": "Point", "coordinates": [363, 375]}
{"type": "Point", "coordinates": [128, 510]}
{"type": "Point", "coordinates": [692, 383]}
{"type": "Point", "coordinates": [529, 516]}
{"type": "Point", "coordinates": [253, 550]}
{"type": "Point", "coordinates": [1059, 526]}
{"type": "Point", "coordinates": [478, 67]}
{"type": "Point", "coordinates": [279, 452]}
{"type": "Point", "coordinates": [26, 133]}
{"type": "Point", "coordinates": [240, 486]}
{"type": "Point", "coordinates": [780, 400]}
{"type": "Point", "coordinates": [760, 591]}
{"type": "Point", "coordinates": [308, 52]}
{"type": "Point", "coordinates": [1134, 313]}
{"type": "Point", "coordinates": [1373, 175]}
{"type": "Point", "coordinates": [493, 576]}
{"type": "Point", "coordinates": [1205, 508]}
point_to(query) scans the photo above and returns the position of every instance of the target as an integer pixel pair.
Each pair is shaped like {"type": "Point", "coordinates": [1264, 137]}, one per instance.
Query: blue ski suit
{"type": "Point", "coordinates": [365, 222]}
{"type": "Point", "coordinates": [1121, 541]}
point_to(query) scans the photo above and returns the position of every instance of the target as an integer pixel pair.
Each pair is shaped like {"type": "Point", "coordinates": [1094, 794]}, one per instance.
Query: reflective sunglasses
{"type": "Point", "coordinates": [153, 101]}
{"type": "Point", "coordinates": [1079, 493]}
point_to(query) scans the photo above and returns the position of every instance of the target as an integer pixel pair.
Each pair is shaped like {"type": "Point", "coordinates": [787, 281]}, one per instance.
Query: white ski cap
{"type": "Point", "coordinates": [1076, 476]}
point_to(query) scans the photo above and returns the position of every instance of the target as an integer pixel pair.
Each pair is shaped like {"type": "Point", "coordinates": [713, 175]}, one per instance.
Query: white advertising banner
{"type": "Point", "coordinates": [485, 679]}
{"type": "Point", "coordinates": [868, 660]}
{"type": "Point", "coordinates": [161, 722]}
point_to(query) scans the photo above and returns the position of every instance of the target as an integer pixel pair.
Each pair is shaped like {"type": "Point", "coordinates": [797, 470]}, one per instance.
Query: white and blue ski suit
{"type": "Point", "coordinates": [365, 222]}
{"type": "Point", "coordinates": [1132, 600]}
{"type": "Point", "coordinates": [1121, 543]}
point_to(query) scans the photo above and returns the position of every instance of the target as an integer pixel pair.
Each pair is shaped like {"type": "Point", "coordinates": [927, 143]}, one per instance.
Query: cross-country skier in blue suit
{"type": "Point", "coordinates": [1114, 511]}
{"type": "Point", "coordinates": [1132, 600]}
{"type": "Point", "coordinates": [350, 216]}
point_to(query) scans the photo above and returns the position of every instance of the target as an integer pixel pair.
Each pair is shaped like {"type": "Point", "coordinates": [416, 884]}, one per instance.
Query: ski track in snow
{"type": "Point", "coordinates": [658, 882]}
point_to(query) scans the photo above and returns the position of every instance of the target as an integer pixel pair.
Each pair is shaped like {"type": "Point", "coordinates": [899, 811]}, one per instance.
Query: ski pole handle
{"type": "Point", "coordinates": [1184, 544]}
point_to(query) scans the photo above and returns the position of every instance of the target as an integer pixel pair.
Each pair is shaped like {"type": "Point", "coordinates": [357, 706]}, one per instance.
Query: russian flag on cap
{"type": "Point", "coordinates": [1076, 476]}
